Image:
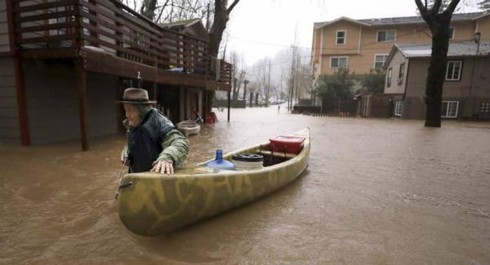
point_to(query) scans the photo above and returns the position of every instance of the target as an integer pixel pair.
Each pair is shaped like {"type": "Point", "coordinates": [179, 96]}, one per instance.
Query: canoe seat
{"type": "Point", "coordinates": [278, 154]}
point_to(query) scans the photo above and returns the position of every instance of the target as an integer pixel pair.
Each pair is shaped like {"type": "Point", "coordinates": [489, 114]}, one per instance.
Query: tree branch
{"type": "Point", "coordinates": [452, 6]}
{"type": "Point", "coordinates": [437, 5]}
{"type": "Point", "coordinates": [232, 6]}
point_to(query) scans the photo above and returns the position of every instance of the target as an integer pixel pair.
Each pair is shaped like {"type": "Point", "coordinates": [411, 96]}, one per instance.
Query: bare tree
{"type": "Point", "coordinates": [176, 10]}
{"type": "Point", "coordinates": [260, 77]}
{"type": "Point", "coordinates": [438, 20]}
{"type": "Point", "coordinates": [221, 16]}
{"type": "Point", "coordinates": [148, 8]}
{"type": "Point", "coordinates": [238, 74]}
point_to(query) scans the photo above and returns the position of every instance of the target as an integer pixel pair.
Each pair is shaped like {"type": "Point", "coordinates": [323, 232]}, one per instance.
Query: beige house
{"type": "Point", "coordinates": [466, 92]}
{"type": "Point", "coordinates": [364, 44]}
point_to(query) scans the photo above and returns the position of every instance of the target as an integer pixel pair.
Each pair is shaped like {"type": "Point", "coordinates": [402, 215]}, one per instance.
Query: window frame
{"type": "Point", "coordinates": [445, 113]}
{"type": "Point", "coordinates": [453, 72]}
{"type": "Point", "coordinates": [389, 76]}
{"type": "Point", "coordinates": [485, 107]}
{"type": "Point", "coordinates": [386, 33]}
{"type": "Point", "coordinates": [398, 108]}
{"type": "Point", "coordinates": [344, 38]}
{"type": "Point", "coordinates": [339, 57]}
{"type": "Point", "coordinates": [451, 31]}
{"type": "Point", "coordinates": [385, 58]}
{"type": "Point", "coordinates": [401, 73]}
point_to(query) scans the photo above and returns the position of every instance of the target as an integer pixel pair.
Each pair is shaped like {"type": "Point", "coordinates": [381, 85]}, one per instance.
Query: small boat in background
{"type": "Point", "coordinates": [151, 204]}
{"type": "Point", "coordinates": [189, 127]}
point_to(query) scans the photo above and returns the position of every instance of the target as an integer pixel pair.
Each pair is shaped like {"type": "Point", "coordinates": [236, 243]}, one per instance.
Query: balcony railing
{"type": "Point", "coordinates": [111, 27]}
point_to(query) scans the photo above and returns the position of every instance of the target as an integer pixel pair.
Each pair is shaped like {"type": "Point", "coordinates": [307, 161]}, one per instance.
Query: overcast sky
{"type": "Point", "coordinates": [260, 28]}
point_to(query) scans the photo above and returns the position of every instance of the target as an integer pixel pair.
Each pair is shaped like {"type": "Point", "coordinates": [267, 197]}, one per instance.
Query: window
{"type": "Point", "coordinates": [453, 70]}
{"type": "Point", "coordinates": [340, 37]}
{"type": "Point", "coordinates": [398, 108]}
{"type": "Point", "coordinates": [485, 107]}
{"type": "Point", "coordinates": [386, 35]}
{"type": "Point", "coordinates": [388, 77]}
{"type": "Point", "coordinates": [449, 109]}
{"type": "Point", "coordinates": [338, 62]}
{"type": "Point", "coordinates": [451, 33]}
{"type": "Point", "coordinates": [379, 60]}
{"type": "Point", "coordinates": [401, 73]}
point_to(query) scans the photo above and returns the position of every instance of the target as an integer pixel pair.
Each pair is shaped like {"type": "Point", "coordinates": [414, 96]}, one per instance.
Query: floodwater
{"type": "Point", "coordinates": [375, 192]}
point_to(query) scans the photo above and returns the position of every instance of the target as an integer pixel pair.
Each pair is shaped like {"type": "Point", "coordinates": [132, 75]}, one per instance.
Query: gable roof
{"type": "Point", "coordinates": [460, 49]}
{"type": "Point", "coordinates": [191, 27]}
{"type": "Point", "coordinates": [326, 23]}
{"type": "Point", "coordinates": [181, 23]}
{"type": "Point", "coordinates": [401, 20]}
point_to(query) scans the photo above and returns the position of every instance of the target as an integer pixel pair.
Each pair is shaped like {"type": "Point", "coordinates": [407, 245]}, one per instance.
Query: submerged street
{"type": "Point", "coordinates": [376, 191]}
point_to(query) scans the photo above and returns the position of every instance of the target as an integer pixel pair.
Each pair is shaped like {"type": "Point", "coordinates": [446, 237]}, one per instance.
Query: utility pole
{"type": "Point", "coordinates": [290, 89]}
{"type": "Point", "coordinates": [268, 86]}
{"type": "Point", "coordinates": [245, 83]}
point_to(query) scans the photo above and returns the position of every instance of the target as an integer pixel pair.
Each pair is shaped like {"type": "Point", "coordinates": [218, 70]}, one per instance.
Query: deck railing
{"type": "Point", "coordinates": [113, 28]}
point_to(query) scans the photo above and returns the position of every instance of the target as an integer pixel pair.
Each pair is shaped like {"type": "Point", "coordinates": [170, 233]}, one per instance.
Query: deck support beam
{"type": "Point", "coordinates": [25, 137]}
{"type": "Point", "coordinates": [82, 87]}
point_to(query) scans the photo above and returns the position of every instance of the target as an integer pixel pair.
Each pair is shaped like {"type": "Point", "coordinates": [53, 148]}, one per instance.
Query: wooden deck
{"type": "Point", "coordinates": [108, 37]}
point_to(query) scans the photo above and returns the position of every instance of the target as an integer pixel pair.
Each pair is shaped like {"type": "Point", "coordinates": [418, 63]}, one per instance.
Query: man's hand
{"type": "Point", "coordinates": [124, 159]}
{"type": "Point", "coordinates": [163, 167]}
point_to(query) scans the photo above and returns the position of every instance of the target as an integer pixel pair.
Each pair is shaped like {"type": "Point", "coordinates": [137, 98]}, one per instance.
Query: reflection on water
{"type": "Point", "coordinates": [375, 192]}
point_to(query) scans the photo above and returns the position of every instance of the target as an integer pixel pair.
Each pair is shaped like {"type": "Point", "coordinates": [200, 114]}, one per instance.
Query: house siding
{"type": "Point", "coordinates": [483, 26]}
{"type": "Point", "coordinates": [316, 52]}
{"type": "Point", "coordinates": [102, 110]}
{"type": "Point", "coordinates": [395, 87]}
{"type": "Point", "coordinates": [362, 45]}
{"type": "Point", "coordinates": [351, 41]}
{"type": "Point", "coordinates": [469, 95]}
{"type": "Point", "coordinates": [53, 103]}
{"type": "Point", "coordinates": [9, 115]}
{"type": "Point", "coordinates": [4, 35]}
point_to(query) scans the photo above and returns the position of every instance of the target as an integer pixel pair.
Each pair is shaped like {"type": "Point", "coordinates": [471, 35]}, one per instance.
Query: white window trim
{"type": "Point", "coordinates": [485, 107]}
{"type": "Point", "coordinates": [380, 54]}
{"type": "Point", "coordinates": [337, 37]}
{"type": "Point", "coordinates": [386, 30]}
{"type": "Point", "coordinates": [444, 115]}
{"type": "Point", "coordinates": [401, 77]}
{"type": "Point", "coordinates": [398, 106]}
{"type": "Point", "coordinates": [340, 57]}
{"type": "Point", "coordinates": [389, 76]}
{"type": "Point", "coordinates": [460, 70]}
{"type": "Point", "coordinates": [454, 33]}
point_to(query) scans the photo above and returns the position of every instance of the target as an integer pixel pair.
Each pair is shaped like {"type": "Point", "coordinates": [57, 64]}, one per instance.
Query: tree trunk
{"type": "Point", "coordinates": [219, 25]}
{"type": "Point", "coordinates": [148, 8]}
{"type": "Point", "coordinates": [221, 17]}
{"type": "Point", "coordinates": [437, 71]}
{"type": "Point", "coordinates": [439, 27]}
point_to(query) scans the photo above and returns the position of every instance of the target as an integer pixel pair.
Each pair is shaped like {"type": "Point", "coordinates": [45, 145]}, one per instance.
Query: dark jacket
{"type": "Point", "coordinates": [155, 139]}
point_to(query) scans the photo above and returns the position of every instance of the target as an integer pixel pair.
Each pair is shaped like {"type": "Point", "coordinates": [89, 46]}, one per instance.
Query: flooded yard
{"type": "Point", "coordinates": [375, 192]}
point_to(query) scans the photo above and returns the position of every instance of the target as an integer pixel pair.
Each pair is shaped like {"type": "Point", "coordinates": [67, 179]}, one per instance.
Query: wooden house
{"type": "Point", "coordinates": [63, 64]}
{"type": "Point", "coordinates": [466, 90]}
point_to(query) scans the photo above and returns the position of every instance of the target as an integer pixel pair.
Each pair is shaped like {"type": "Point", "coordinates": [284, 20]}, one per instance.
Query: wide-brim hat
{"type": "Point", "coordinates": [134, 95]}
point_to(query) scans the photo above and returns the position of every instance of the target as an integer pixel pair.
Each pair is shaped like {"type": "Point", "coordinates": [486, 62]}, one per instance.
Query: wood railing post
{"type": "Point", "coordinates": [82, 87]}
{"type": "Point", "coordinates": [25, 137]}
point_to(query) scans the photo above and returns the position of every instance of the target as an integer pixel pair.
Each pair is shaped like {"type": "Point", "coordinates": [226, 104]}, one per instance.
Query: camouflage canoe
{"type": "Point", "coordinates": [151, 204]}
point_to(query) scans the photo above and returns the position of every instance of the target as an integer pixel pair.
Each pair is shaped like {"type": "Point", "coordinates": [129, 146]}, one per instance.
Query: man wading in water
{"type": "Point", "coordinates": [154, 144]}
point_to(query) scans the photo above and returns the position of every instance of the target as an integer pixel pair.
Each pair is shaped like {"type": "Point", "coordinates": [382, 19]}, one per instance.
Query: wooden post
{"type": "Point", "coordinates": [25, 137]}
{"type": "Point", "coordinates": [82, 81]}
{"type": "Point", "coordinates": [229, 104]}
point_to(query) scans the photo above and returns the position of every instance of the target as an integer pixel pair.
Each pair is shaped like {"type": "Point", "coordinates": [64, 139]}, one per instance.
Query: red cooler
{"type": "Point", "coordinates": [287, 144]}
